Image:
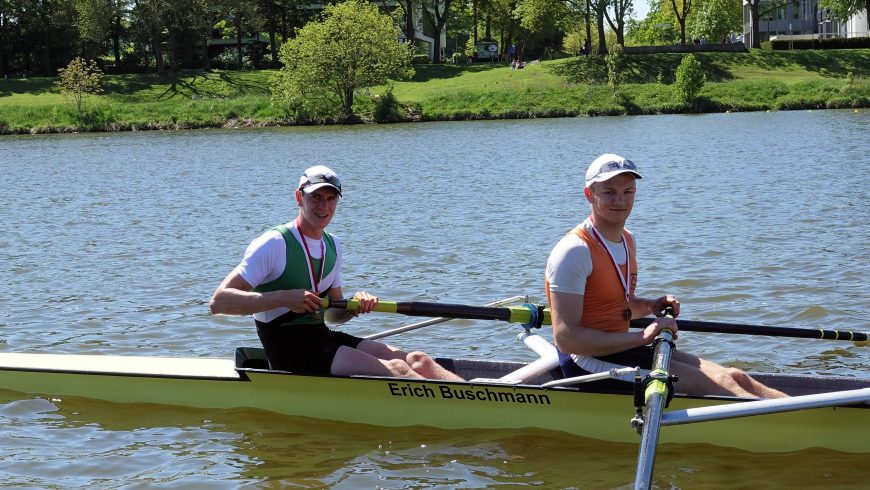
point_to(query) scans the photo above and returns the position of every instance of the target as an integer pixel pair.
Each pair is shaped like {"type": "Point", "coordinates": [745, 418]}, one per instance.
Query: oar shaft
{"type": "Point", "coordinates": [522, 314]}
{"type": "Point", "coordinates": [656, 397]}
{"type": "Point", "coordinates": [736, 328]}
{"type": "Point", "coordinates": [434, 321]}
{"type": "Point", "coordinates": [513, 314]}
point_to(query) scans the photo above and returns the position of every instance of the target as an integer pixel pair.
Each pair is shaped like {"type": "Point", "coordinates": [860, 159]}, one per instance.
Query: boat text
{"type": "Point", "coordinates": [471, 394]}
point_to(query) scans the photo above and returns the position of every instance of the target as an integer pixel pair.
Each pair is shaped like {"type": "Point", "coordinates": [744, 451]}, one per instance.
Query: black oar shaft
{"type": "Point", "coordinates": [736, 328]}
{"type": "Point", "coordinates": [422, 308]}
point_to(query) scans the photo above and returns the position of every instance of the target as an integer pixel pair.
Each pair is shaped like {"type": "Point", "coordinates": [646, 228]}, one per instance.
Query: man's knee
{"type": "Point", "coordinates": [740, 377]}
{"type": "Point", "coordinates": [398, 367]}
{"type": "Point", "coordinates": [419, 360]}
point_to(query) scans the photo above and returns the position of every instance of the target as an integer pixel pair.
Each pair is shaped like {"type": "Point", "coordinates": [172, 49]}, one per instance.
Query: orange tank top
{"type": "Point", "coordinates": [604, 297]}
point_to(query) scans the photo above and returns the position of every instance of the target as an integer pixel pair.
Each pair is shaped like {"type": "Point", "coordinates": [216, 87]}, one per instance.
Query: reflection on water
{"type": "Point", "coordinates": [102, 445]}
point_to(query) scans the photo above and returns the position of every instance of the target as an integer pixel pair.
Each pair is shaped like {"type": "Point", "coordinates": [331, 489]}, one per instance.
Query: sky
{"type": "Point", "coordinates": [641, 8]}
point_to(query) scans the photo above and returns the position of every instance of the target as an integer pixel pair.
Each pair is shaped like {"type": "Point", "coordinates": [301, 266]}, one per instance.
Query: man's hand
{"type": "Point", "coordinates": [658, 306]}
{"type": "Point", "coordinates": [653, 329]}
{"type": "Point", "coordinates": [367, 302]}
{"type": "Point", "coordinates": [300, 300]}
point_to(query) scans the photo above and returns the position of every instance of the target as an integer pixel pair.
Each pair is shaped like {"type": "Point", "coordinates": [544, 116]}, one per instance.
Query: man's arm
{"type": "Point", "coordinates": [234, 297]}
{"type": "Point", "coordinates": [566, 310]}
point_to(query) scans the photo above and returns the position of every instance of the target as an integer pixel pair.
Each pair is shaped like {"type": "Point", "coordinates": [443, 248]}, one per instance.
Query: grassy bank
{"type": "Point", "coordinates": [758, 80]}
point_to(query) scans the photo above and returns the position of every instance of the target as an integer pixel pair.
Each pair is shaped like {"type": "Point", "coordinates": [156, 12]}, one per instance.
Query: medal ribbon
{"type": "Point", "coordinates": [315, 280]}
{"type": "Point", "coordinates": [622, 279]}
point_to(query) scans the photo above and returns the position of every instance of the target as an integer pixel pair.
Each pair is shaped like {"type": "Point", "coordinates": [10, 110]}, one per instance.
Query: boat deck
{"type": "Point", "coordinates": [169, 367]}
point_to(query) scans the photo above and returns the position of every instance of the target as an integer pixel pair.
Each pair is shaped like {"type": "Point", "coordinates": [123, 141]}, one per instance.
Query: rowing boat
{"type": "Point", "coordinates": [501, 394]}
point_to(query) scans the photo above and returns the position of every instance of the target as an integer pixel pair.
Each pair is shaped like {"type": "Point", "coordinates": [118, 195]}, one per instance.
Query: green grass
{"type": "Point", "coordinates": [758, 80]}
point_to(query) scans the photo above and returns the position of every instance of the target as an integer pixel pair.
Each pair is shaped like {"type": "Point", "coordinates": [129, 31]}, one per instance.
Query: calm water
{"type": "Point", "coordinates": [113, 243]}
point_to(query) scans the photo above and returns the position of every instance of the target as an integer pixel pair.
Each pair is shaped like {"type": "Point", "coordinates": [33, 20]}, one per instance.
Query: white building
{"type": "Point", "coordinates": [801, 19]}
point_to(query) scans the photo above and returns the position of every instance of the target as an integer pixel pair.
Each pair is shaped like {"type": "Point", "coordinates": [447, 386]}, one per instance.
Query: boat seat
{"type": "Point", "coordinates": [251, 358]}
{"type": "Point", "coordinates": [545, 368]}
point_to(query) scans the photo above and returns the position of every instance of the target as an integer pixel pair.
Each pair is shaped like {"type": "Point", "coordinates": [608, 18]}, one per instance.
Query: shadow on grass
{"type": "Point", "coordinates": [426, 72]}
{"type": "Point", "coordinates": [32, 86]}
{"type": "Point", "coordinates": [187, 84]}
{"type": "Point", "coordinates": [721, 67]}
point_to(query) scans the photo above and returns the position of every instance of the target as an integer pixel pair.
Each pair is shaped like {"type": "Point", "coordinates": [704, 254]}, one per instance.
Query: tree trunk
{"type": "Point", "coordinates": [474, 20]}
{"type": "Point", "coordinates": [2, 45]}
{"type": "Point", "coordinates": [157, 46]}
{"type": "Point", "coordinates": [173, 50]}
{"type": "Point", "coordinates": [410, 32]}
{"type": "Point", "coordinates": [347, 108]}
{"type": "Point", "coordinates": [239, 37]}
{"type": "Point", "coordinates": [588, 17]}
{"type": "Point", "coordinates": [46, 38]}
{"type": "Point", "coordinates": [116, 42]}
{"type": "Point", "coordinates": [273, 38]}
{"type": "Point", "coordinates": [599, 21]}
{"type": "Point", "coordinates": [206, 62]}
{"type": "Point", "coordinates": [753, 16]}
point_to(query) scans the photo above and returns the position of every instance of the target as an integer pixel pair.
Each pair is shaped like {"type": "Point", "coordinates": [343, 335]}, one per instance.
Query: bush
{"type": "Point", "coordinates": [386, 107]}
{"type": "Point", "coordinates": [689, 79]}
{"type": "Point", "coordinates": [78, 79]}
{"type": "Point", "coordinates": [228, 59]}
{"type": "Point", "coordinates": [615, 60]}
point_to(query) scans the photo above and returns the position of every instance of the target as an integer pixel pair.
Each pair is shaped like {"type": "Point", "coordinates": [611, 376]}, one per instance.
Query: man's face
{"type": "Point", "coordinates": [318, 207]}
{"type": "Point", "coordinates": [612, 200]}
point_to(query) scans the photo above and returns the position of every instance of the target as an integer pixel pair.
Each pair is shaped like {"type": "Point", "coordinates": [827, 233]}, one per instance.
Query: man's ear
{"type": "Point", "coordinates": [587, 191]}
{"type": "Point", "coordinates": [299, 197]}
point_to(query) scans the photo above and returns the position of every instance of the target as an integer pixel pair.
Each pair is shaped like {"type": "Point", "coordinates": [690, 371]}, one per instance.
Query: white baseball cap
{"type": "Point", "coordinates": [608, 166]}
{"type": "Point", "coordinates": [319, 176]}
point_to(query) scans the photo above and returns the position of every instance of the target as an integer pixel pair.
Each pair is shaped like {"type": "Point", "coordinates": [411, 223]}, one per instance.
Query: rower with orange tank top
{"type": "Point", "coordinates": [591, 277]}
{"type": "Point", "coordinates": [282, 279]}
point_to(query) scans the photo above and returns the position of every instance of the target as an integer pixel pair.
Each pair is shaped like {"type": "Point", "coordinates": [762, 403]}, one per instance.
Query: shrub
{"type": "Point", "coordinates": [78, 79]}
{"type": "Point", "coordinates": [689, 79]}
{"type": "Point", "coordinates": [386, 107]}
{"type": "Point", "coordinates": [615, 60]}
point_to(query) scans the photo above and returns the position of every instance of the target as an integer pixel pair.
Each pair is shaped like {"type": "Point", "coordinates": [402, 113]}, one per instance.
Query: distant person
{"type": "Point", "coordinates": [591, 276]}
{"type": "Point", "coordinates": [283, 276]}
{"type": "Point", "coordinates": [587, 47]}
{"type": "Point", "coordinates": [732, 37]}
{"type": "Point", "coordinates": [512, 52]}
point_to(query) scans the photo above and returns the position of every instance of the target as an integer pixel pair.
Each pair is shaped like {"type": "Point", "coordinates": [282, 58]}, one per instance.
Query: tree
{"type": "Point", "coordinates": [715, 19]}
{"type": "Point", "coordinates": [621, 9]}
{"type": "Point", "coordinates": [660, 27]}
{"type": "Point", "coordinates": [843, 9]}
{"type": "Point", "coordinates": [753, 21]}
{"type": "Point", "coordinates": [353, 47]}
{"type": "Point", "coordinates": [78, 79]}
{"type": "Point", "coordinates": [682, 8]}
{"type": "Point", "coordinates": [439, 12]}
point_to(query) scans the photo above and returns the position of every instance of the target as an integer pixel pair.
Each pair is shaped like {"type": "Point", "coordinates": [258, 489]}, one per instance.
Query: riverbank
{"type": "Point", "coordinates": [753, 81]}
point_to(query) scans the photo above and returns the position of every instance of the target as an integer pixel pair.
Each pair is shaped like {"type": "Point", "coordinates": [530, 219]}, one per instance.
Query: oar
{"type": "Point", "coordinates": [736, 328]}
{"type": "Point", "coordinates": [522, 314]}
{"type": "Point", "coordinates": [656, 396]}
{"type": "Point", "coordinates": [513, 314]}
{"type": "Point", "coordinates": [415, 326]}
